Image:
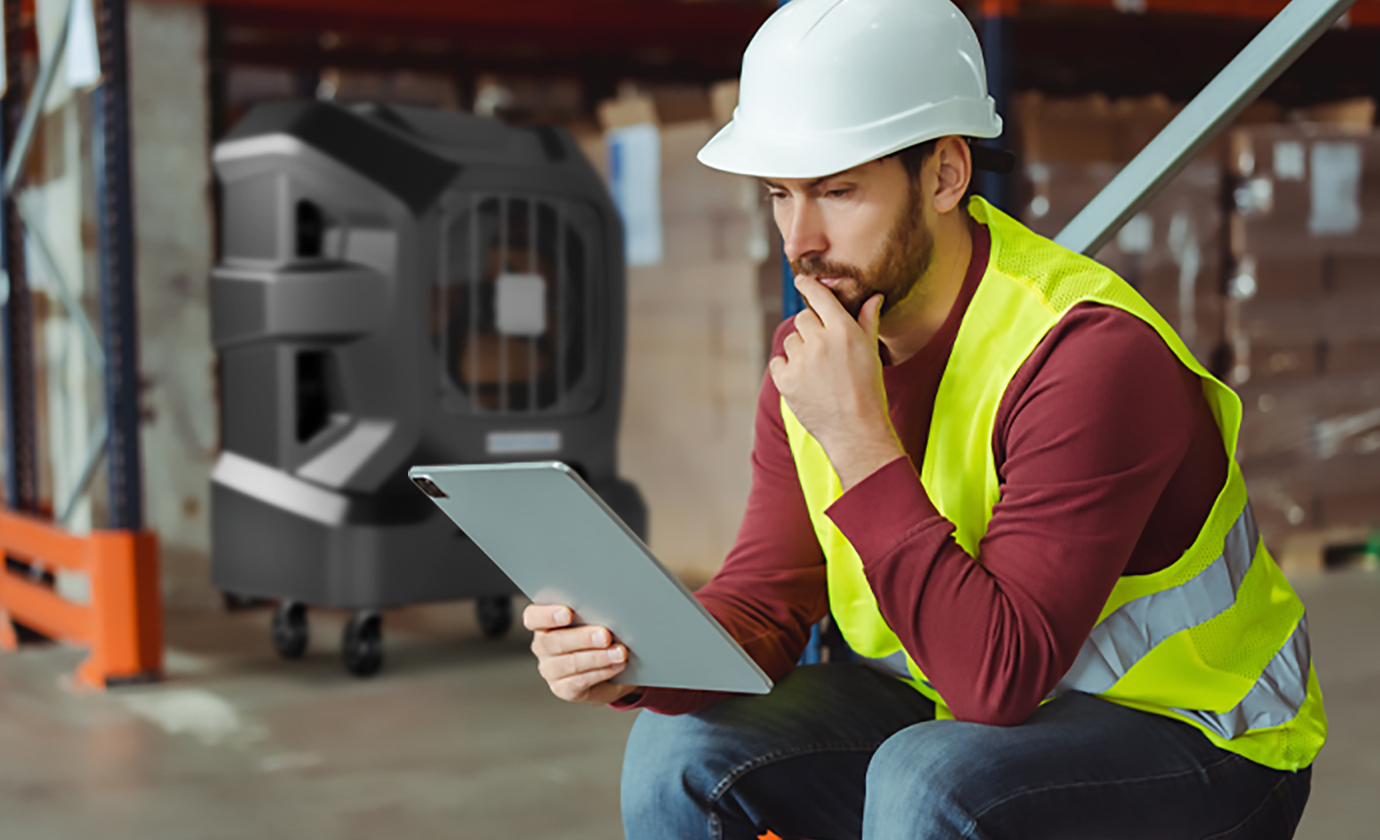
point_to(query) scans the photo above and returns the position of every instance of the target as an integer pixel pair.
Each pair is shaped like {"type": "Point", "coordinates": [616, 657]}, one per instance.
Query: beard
{"type": "Point", "coordinates": [904, 258]}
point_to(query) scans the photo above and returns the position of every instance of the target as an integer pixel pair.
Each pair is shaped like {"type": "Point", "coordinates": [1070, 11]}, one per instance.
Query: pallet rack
{"type": "Point", "coordinates": [122, 622]}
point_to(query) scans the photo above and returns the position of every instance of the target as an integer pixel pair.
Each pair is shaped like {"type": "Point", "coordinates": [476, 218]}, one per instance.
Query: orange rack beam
{"type": "Point", "coordinates": [123, 622]}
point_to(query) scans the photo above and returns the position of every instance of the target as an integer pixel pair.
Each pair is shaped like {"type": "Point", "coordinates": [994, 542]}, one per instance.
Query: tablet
{"type": "Point", "coordinates": [558, 541]}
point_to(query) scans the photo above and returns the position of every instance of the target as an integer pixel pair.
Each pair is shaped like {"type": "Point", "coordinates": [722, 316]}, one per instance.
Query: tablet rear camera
{"type": "Point", "coordinates": [429, 487]}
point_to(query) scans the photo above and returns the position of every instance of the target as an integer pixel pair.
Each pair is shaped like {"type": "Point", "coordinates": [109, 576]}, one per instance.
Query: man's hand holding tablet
{"type": "Point", "coordinates": [576, 662]}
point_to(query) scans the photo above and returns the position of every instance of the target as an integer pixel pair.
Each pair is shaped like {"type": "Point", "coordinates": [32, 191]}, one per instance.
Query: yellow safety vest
{"type": "Point", "coordinates": [1218, 639]}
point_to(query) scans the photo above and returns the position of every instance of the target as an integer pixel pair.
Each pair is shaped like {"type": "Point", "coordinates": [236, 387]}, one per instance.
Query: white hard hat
{"type": "Point", "coordinates": [831, 84]}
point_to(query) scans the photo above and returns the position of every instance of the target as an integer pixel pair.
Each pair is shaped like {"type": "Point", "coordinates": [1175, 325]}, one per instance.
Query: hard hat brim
{"type": "Point", "coordinates": [745, 150]}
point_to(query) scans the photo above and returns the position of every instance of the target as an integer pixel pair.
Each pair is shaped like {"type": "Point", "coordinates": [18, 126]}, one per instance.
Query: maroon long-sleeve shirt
{"type": "Point", "coordinates": [1109, 460]}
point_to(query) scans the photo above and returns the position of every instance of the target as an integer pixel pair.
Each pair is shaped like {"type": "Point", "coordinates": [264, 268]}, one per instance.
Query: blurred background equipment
{"type": "Point", "coordinates": [400, 286]}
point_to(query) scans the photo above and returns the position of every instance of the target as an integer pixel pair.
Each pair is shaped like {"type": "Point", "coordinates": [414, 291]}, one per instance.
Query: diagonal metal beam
{"type": "Point", "coordinates": [13, 170]}
{"type": "Point", "coordinates": [1282, 40]}
{"type": "Point", "coordinates": [95, 451]}
{"type": "Point", "coordinates": [90, 341]}
{"type": "Point", "coordinates": [47, 72]}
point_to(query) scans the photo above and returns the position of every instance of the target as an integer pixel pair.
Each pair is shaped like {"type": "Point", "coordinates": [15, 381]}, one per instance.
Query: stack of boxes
{"type": "Point", "coordinates": [1303, 328]}
{"type": "Point", "coordinates": [1264, 254]}
{"type": "Point", "coordinates": [695, 334]}
{"type": "Point", "coordinates": [1171, 251]}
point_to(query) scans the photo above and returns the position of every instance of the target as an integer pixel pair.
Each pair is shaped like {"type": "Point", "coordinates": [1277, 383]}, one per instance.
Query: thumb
{"type": "Point", "coordinates": [869, 317]}
{"type": "Point", "coordinates": [776, 367]}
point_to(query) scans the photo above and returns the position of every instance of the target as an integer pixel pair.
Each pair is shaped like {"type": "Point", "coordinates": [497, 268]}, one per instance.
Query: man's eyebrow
{"type": "Point", "coordinates": [809, 186]}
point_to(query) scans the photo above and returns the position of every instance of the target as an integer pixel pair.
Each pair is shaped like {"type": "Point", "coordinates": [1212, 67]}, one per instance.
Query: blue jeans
{"type": "Point", "coordinates": [842, 751]}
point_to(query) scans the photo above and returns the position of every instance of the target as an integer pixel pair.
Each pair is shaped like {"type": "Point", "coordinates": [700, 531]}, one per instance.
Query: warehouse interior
{"type": "Point", "coordinates": [129, 132]}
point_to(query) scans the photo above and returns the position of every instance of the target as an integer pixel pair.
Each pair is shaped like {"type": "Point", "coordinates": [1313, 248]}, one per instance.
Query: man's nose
{"type": "Point", "coordinates": [802, 233]}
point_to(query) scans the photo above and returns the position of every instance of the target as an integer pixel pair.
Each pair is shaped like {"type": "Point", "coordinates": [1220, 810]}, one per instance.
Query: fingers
{"type": "Point", "coordinates": [777, 365]}
{"type": "Point", "coordinates": [546, 616]}
{"type": "Point", "coordinates": [576, 662]}
{"type": "Point", "coordinates": [822, 301]}
{"type": "Point", "coordinates": [870, 317]}
{"type": "Point", "coordinates": [572, 668]}
{"type": "Point", "coordinates": [556, 668]}
{"type": "Point", "coordinates": [807, 322]}
{"type": "Point", "coordinates": [777, 368]}
{"type": "Point", "coordinates": [791, 346]}
{"type": "Point", "coordinates": [588, 686]}
{"type": "Point", "coordinates": [570, 639]}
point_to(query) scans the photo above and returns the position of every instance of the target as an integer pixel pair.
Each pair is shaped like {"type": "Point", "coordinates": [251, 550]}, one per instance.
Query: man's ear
{"type": "Point", "coordinates": [953, 162]}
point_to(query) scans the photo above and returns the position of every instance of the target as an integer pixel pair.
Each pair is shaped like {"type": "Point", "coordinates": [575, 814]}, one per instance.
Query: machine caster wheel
{"type": "Point", "coordinates": [240, 603]}
{"type": "Point", "coordinates": [362, 644]}
{"type": "Point", "coordinates": [290, 629]}
{"type": "Point", "coordinates": [495, 615]}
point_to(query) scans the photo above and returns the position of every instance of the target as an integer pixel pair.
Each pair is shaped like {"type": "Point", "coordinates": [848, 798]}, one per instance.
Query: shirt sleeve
{"type": "Point", "coordinates": [1088, 434]}
{"type": "Point", "coordinates": [771, 589]}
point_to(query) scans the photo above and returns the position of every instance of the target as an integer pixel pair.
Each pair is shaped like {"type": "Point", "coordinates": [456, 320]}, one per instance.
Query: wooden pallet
{"type": "Point", "coordinates": [1305, 552]}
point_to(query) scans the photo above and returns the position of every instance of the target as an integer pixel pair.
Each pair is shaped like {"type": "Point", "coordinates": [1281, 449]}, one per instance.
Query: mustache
{"type": "Point", "coordinates": [823, 268]}
{"type": "Point", "coordinates": [852, 303]}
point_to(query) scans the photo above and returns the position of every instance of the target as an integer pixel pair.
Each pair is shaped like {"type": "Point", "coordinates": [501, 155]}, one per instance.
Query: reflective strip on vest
{"type": "Point", "coordinates": [1123, 638]}
{"type": "Point", "coordinates": [1276, 697]}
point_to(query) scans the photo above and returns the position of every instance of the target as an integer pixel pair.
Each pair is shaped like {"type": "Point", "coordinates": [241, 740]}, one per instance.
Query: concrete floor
{"type": "Point", "coordinates": [456, 738]}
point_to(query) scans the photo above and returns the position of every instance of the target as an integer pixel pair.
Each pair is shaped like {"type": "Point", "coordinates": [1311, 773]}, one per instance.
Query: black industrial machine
{"type": "Point", "coordinates": [400, 286]}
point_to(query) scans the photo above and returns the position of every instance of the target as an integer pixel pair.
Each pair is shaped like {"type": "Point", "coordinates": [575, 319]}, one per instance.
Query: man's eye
{"type": "Point", "coordinates": [843, 192]}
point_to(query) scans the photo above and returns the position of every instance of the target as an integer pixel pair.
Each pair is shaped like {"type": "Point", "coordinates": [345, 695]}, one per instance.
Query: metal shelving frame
{"type": "Point", "coordinates": [115, 351]}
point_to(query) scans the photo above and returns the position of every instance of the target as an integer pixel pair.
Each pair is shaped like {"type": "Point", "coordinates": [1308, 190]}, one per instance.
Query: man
{"type": "Point", "coordinates": [1006, 478]}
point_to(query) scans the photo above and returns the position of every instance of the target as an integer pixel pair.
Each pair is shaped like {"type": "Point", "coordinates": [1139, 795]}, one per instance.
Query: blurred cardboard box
{"type": "Point", "coordinates": [1303, 298]}
{"type": "Point", "coordinates": [1273, 360]}
{"type": "Point", "coordinates": [1303, 189]}
{"type": "Point", "coordinates": [660, 105]}
{"type": "Point", "coordinates": [1360, 355]}
{"type": "Point", "coordinates": [1089, 128]}
{"type": "Point", "coordinates": [1095, 128]}
{"type": "Point", "coordinates": [1171, 252]}
{"type": "Point", "coordinates": [1315, 417]}
{"type": "Point", "coordinates": [695, 341]}
{"type": "Point", "coordinates": [723, 100]}
{"type": "Point", "coordinates": [1268, 248]}
{"type": "Point", "coordinates": [1357, 114]}
{"type": "Point", "coordinates": [1310, 452]}
{"type": "Point", "coordinates": [626, 111]}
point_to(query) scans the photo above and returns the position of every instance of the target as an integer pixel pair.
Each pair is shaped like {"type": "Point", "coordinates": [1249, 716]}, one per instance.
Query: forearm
{"type": "Point", "coordinates": [770, 615]}
{"type": "Point", "coordinates": [772, 588]}
{"type": "Point", "coordinates": [984, 644]}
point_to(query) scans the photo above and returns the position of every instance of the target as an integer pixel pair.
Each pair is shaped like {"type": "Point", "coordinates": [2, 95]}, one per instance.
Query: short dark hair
{"type": "Point", "coordinates": [913, 157]}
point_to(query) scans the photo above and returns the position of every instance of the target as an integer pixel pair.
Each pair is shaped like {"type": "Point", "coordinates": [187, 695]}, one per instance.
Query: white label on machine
{"type": "Point", "coordinates": [1335, 189]}
{"type": "Point", "coordinates": [522, 443]}
{"type": "Point", "coordinates": [521, 304]}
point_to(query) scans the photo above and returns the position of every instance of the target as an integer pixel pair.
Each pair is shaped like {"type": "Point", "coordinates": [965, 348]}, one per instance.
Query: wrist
{"type": "Point", "coordinates": [861, 457]}
{"type": "Point", "coordinates": [620, 695]}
